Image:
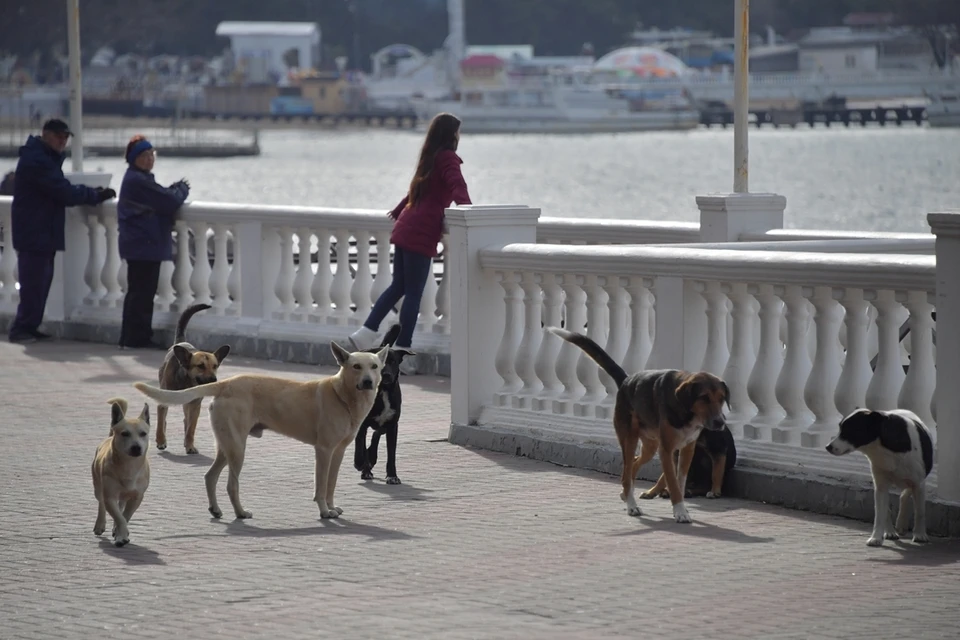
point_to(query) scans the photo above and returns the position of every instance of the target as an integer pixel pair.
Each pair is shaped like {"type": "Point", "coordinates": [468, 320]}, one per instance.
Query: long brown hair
{"type": "Point", "coordinates": [442, 134]}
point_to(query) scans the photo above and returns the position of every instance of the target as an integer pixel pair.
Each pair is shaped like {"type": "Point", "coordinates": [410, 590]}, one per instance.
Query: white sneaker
{"type": "Point", "coordinates": [363, 339]}
{"type": "Point", "coordinates": [408, 368]}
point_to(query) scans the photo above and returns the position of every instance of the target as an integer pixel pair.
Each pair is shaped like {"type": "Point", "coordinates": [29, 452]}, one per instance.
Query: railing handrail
{"type": "Point", "coordinates": [809, 269]}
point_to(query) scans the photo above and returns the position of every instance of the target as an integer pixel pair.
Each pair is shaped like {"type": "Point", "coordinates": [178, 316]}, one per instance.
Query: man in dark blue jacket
{"type": "Point", "coordinates": [41, 194]}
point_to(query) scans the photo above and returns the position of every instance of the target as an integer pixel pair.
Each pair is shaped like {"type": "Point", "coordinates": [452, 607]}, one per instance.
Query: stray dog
{"type": "Point", "coordinates": [664, 410]}
{"type": "Point", "coordinates": [384, 418]}
{"type": "Point", "coordinates": [324, 413]}
{"type": "Point", "coordinates": [714, 456]}
{"type": "Point", "coordinates": [900, 450]}
{"type": "Point", "coordinates": [184, 367]}
{"type": "Point", "coordinates": [121, 471]}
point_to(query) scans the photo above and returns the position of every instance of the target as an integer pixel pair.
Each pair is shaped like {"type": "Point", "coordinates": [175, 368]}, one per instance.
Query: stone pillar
{"type": "Point", "coordinates": [476, 300]}
{"type": "Point", "coordinates": [946, 226]}
{"type": "Point", "coordinates": [68, 287]}
{"type": "Point", "coordinates": [724, 217]}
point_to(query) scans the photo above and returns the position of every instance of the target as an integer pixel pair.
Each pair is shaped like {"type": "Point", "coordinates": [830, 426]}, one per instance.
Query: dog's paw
{"type": "Point", "coordinates": [920, 538]}
{"type": "Point", "coordinates": [874, 541]}
{"type": "Point", "coordinates": [243, 515]}
{"type": "Point", "coordinates": [712, 495]}
{"type": "Point", "coordinates": [161, 446]}
{"type": "Point", "coordinates": [366, 475]}
{"type": "Point", "coordinates": [331, 513]}
{"type": "Point", "coordinates": [647, 495]}
{"type": "Point", "coordinates": [636, 512]}
{"type": "Point", "coordinates": [192, 451]}
{"type": "Point", "coordinates": [680, 513]}
{"type": "Point", "coordinates": [665, 494]}
{"type": "Point", "coordinates": [99, 528]}
{"type": "Point", "coordinates": [216, 513]}
{"type": "Point", "coordinates": [121, 537]}
{"type": "Point", "coordinates": [393, 480]}
{"type": "Point", "coordinates": [891, 535]}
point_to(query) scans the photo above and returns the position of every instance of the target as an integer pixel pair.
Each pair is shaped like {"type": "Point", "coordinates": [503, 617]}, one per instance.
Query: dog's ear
{"type": "Point", "coordinates": [391, 336]}
{"type": "Point", "coordinates": [402, 353]}
{"type": "Point", "coordinates": [382, 355]}
{"type": "Point", "coordinates": [221, 353]}
{"type": "Point", "coordinates": [182, 355]}
{"type": "Point", "coordinates": [116, 413]}
{"type": "Point", "coordinates": [341, 354]}
{"type": "Point", "coordinates": [726, 392]}
{"type": "Point", "coordinates": [145, 414]}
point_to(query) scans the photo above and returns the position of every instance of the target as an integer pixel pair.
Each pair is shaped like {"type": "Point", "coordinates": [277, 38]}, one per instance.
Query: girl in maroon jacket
{"type": "Point", "coordinates": [417, 232]}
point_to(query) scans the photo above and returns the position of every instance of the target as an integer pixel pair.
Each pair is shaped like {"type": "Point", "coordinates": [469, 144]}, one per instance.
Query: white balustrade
{"type": "Point", "coordinates": [323, 279]}
{"type": "Point", "coordinates": [362, 280]}
{"type": "Point", "coordinates": [111, 264]}
{"type": "Point", "coordinates": [342, 280]}
{"type": "Point", "coordinates": [220, 276]}
{"type": "Point", "coordinates": [8, 264]}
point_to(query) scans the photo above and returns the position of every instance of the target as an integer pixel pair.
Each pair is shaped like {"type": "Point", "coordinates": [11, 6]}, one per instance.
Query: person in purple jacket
{"type": "Point", "coordinates": [418, 230]}
{"type": "Point", "coordinates": [146, 212]}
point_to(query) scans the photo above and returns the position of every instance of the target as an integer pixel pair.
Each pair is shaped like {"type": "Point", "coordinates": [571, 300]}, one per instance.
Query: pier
{"type": "Point", "coordinates": [825, 115]}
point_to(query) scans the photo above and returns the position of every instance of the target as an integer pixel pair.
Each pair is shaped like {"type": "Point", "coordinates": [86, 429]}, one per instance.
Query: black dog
{"type": "Point", "coordinates": [714, 456]}
{"type": "Point", "coordinates": [384, 417]}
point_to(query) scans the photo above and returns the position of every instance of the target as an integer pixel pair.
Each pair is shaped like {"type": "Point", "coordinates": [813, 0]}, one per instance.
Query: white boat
{"type": "Point", "coordinates": [560, 109]}
{"type": "Point", "coordinates": [944, 111]}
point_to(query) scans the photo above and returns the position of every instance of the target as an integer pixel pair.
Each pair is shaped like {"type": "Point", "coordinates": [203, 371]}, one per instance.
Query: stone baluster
{"type": "Point", "coordinates": [283, 287]}
{"type": "Point", "coordinates": [767, 368]}
{"type": "Point", "coordinates": [303, 281]}
{"type": "Point", "coordinates": [234, 283]}
{"type": "Point", "coordinates": [796, 368]}
{"type": "Point", "coordinates": [200, 276]}
{"type": "Point", "coordinates": [575, 314]}
{"type": "Point", "coordinates": [506, 360]}
{"type": "Point", "coordinates": [362, 280]}
{"type": "Point", "coordinates": [917, 391]}
{"type": "Point", "coordinates": [382, 279]}
{"type": "Point", "coordinates": [111, 264]}
{"type": "Point", "coordinates": [221, 270]}
{"type": "Point", "coordinates": [428, 303]}
{"type": "Point", "coordinates": [8, 263]}
{"type": "Point", "coordinates": [884, 388]}
{"type": "Point", "coordinates": [716, 353]}
{"type": "Point", "coordinates": [615, 290]}
{"type": "Point", "coordinates": [530, 342]}
{"type": "Point", "coordinates": [122, 276]}
{"type": "Point", "coordinates": [855, 378]}
{"type": "Point", "coordinates": [443, 294]}
{"type": "Point", "coordinates": [740, 363]}
{"type": "Point", "coordinates": [588, 372]}
{"type": "Point", "coordinates": [323, 278]}
{"type": "Point", "coordinates": [95, 260]}
{"type": "Point", "coordinates": [182, 270]}
{"type": "Point", "coordinates": [821, 386]}
{"type": "Point", "coordinates": [165, 296]}
{"type": "Point", "coordinates": [340, 289]}
{"type": "Point", "coordinates": [546, 364]}
{"type": "Point", "coordinates": [641, 306]}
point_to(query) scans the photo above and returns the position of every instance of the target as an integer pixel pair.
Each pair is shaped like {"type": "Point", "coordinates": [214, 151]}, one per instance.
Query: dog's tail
{"type": "Point", "coordinates": [183, 396]}
{"type": "Point", "coordinates": [188, 313]}
{"type": "Point", "coordinates": [391, 336]}
{"type": "Point", "coordinates": [595, 352]}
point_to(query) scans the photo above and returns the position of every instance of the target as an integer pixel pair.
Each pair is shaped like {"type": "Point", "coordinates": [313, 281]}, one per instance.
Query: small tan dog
{"type": "Point", "coordinates": [325, 414]}
{"type": "Point", "coordinates": [121, 471]}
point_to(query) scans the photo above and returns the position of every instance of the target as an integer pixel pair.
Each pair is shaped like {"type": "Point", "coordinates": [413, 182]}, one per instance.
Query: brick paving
{"type": "Point", "coordinates": [472, 545]}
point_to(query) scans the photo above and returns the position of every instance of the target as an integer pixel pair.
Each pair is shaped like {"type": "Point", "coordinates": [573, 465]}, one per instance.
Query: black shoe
{"type": "Point", "coordinates": [40, 335]}
{"type": "Point", "coordinates": [22, 338]}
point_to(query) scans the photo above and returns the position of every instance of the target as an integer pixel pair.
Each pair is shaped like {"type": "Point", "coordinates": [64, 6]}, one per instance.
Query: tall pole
{"type": "Point", "coordinates": [458, 40]}
{"type": "Point", "coordinates": [741, 96]}
{"type": "Point", "coordinates": [76, 88]}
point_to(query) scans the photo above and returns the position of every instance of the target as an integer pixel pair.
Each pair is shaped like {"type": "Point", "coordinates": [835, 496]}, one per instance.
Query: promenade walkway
{"type": "Point", "coordinates": [472, 545]}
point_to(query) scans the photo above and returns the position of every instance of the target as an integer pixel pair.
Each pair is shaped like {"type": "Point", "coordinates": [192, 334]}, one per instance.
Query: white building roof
{"type": "Point", "coordinates": [241, 28]}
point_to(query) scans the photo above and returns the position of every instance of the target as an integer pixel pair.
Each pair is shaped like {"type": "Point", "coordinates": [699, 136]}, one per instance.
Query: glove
{"type": "Point", "coordinates": [105, 194]}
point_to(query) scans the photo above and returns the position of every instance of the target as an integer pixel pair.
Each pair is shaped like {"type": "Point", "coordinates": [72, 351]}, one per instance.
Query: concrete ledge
{"type": "Point", "coordinates": [263, 348]}
{"type": "Point", "coordinates": [793, 491]}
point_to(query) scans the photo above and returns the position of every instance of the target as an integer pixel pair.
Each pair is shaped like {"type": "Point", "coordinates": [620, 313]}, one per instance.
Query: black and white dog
{"type": "Point", "coordinates": [900, 450]}
{"type": "Point", "coordinates": [384, 417]}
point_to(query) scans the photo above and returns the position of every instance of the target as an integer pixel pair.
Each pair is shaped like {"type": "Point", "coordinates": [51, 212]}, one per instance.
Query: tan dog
{"type": "Point", "coordinates": [121, 471]}
{"type": "Point", "coordinates": [664, 410]}
{"type": "Point", "coordinates": [325, 414]}
{"type": "Point", "coordinates": [183, 367]}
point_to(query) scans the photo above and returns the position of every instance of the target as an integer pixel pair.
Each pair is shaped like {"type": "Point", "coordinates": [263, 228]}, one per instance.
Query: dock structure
{"type": "Point", "coordinates": [813, 115]}
{"type": "Point", "coordinates": [179, 142]}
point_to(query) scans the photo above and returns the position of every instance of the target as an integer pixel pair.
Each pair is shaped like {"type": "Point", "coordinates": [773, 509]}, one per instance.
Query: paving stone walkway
{"type": "Point", "coordinates": [472, 545]}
